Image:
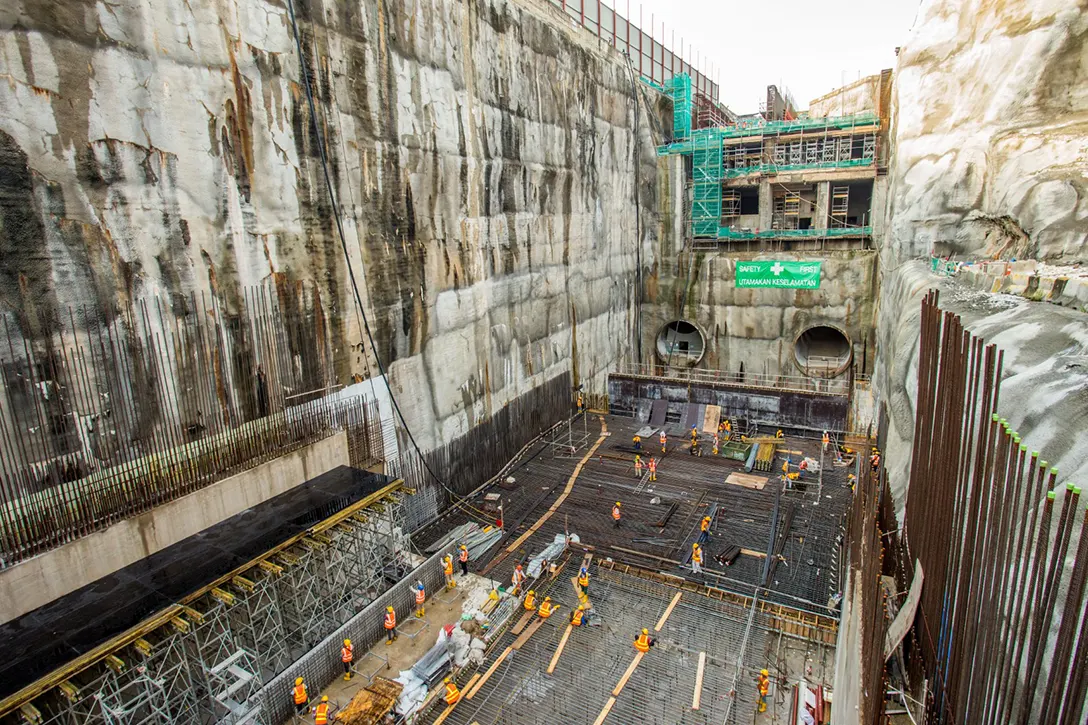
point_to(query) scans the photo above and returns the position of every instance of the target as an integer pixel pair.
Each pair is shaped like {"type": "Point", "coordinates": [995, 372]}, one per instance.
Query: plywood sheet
{"type": "Point", "coordinates": [747, 480]}
{"type": "Point", "coordinates": [711, 417]}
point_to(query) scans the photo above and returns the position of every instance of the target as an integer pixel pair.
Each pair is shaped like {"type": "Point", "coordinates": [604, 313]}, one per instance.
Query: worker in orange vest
{"type": "Point", "coordinates": [547, 608]}
{"type": "Point", "coordinates": [638, 466]}
{"type": "Point", "coordinates": [447, 569]}
{"type": "Point", "coordinates": [704, 530]}
{"type": "Point", "coordinates": [637, 441]}
{"type": "Point", "coordinates": [616, 515]}
{"type": "Point", "coordinates": [714, 450]}
{"type": "Point", "coordinates": [302, 699]}
{"type": "Point", "coordinates": [696, 559]}
{"type": "Point", "coordinates": [581, 402]}
{"type": "Point", "coordinates": [663, 440]}
{"type": "Point", "coordinates": [825, 440]}
{"type": "Point", "coordinates": [643, 642]}
{"type": "Point", "coordinates": [653, 468]}
{"type": "Point", "coordinates": [778, 434]}
{"type": "Point", "coordinates": [763, 682]}
{"type": "Point", "coordinates": [874, 460]}
{"type": "Point", "coordinates": [578, 615]}
{"type": "Point", "coordinates": [518, 579]}
{"type": "Point", "coordinates": [347, 656]}
{"type": "Point", "coordinates": [452, 693]}
{"type": "Point", "coordinates": [421, 597]}
{"type": "Point", "coordinates": [321, 712]}
{"type": "Point", "coordinates": [462, 556]}
{"type": "Point", "coordinates": [583, 580]}
{"type": "Point", "coordinates": [390, 625]}
{"type": "Point", "coordinates": [530, 600]}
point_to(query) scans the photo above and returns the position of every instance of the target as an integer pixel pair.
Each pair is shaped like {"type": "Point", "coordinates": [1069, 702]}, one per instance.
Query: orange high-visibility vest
{"type": "Point", "coordinates": [764, 685]}
{"type": "Point", "coordinates": [448, 566]}
{"type": "Point", "coordinates": [653, 465]}
{"type": "Point", "coordinates": [616, 513]}
{"type": "Point", "coordinates": [576, 619]}
{"type": "Point", "coordinates": [452, 693]}
{"type": "Point", "coordinates": [463, 556]}
{"type": "Point", "coordinates": [347, 653]}
{"type": "Point", "coordinates": [545, 610]}
{"type": "Point", "coordinates": [642, 644]}
{"type": "Point", "coordinates": [697, 556]}
{"type": "Point", "coordinates": [421, 596]}
{"type": "Point", "coordinates": [583, 579]}
{"type": "Point", "coordinates": [663, 438]}
{"type": "Point", "coordinates": [705, 525]}
{"type": "Point", "coordinates": [530, 601]}
{"type": "Point", "coordinates": [321, 714]}
{"type": "Point", "coordinates": [300, 694]}
{"type": "Point", "coordinates": [390, 620]}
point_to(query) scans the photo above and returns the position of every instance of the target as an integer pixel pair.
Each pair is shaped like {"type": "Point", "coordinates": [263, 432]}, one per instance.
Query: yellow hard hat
{"type": "Point", "coordinates": [389, 609]}
{"type": "Point", "coordinates": [347, 642]}
{"type": "Point", "coordinates": [447, 679]}
{"type": "Point", "coordinates": [463, 546]}
{"type": "Point", "coordinates": [617, 503]}
{"type": "Point", "coordinates": [298, 680]}
{"type": "Point", "coordinates": [645, 631]}
{"type": "Point", "coordinates": [547, 599]}
{"type": "Point", "coordinates": [695, 546]}
{"type": "Point", "coordinates": [581, 606]}
{"type": "Point", "coordinates": [324, 698]}
{"type": "Point", "coordinates": [763, 672]}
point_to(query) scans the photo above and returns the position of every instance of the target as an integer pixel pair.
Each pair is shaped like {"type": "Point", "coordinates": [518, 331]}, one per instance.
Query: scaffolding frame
{"type": "Point", "coordinates": [208, 658]}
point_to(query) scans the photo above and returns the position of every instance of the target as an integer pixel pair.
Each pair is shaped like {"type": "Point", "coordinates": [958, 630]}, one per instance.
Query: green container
{"type": "Point", "coordinates": [735, 451]}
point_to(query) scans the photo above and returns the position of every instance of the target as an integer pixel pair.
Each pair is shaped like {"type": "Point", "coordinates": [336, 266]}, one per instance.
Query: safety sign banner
{"type": "Point", "coordinates": [789, 275]}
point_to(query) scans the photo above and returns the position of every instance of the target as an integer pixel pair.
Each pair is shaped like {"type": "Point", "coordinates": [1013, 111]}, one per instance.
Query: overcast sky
{"type": "Point", "coordinates": [809, 47]}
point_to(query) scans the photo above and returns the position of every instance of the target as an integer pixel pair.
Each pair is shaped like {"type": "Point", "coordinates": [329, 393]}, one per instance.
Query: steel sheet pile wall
{"type": "Point", "coordinates": [469, 461]}
{"type": "Point", "coordinates": [994, 537]}
{"type": "Point", "coordinates": [103, 416]}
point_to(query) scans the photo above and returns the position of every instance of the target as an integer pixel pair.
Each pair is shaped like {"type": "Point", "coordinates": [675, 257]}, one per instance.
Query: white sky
{"type": "Point", "coordinates": [809, 46]}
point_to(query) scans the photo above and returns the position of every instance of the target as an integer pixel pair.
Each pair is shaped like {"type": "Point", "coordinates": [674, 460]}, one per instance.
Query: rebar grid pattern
{"type": "Point", "coordinates": [207, 658]}
{"type": "Point", "coordinates": [594, 659]}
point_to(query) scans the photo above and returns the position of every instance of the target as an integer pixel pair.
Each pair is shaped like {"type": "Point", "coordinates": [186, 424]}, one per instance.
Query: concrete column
{"type": "Point", "coordinates": [878, 208]}
{"type": "Point", "coordinates": [819, 215]}
{"type": "Point", "coordinates": [766, 204]}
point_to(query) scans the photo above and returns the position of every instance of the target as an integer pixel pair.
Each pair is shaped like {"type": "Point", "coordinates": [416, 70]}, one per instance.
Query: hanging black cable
{"type": "Point", "coordinates": [347, 257]}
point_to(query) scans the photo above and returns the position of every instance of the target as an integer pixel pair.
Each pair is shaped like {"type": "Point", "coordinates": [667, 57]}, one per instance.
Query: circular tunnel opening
{"type": "Point", "coordinates": [822, 351]}
{"type": "Point", "coordinates": [680, 343]}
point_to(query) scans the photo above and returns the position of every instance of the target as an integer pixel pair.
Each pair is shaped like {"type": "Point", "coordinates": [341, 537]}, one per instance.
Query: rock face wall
{"type": "Point", "coordinates": [991, 126]}
{"type": "Point", "coordinates": [483, 152]}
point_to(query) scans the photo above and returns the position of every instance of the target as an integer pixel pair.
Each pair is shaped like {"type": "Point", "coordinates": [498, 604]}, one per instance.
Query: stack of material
{"type": "Point", "coordinates": [765, 454]}
{"type": "Point", "coordinates": [478, 540]}
{"type": "Point", "coordinates": [370, 704]}
{"type": "Point", "coordinates": [551, 552]}
{"type": "Point", "coordinates": [433, 665]}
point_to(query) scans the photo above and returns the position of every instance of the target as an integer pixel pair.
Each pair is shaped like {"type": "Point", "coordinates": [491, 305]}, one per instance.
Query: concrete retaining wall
{"type": "Point", "coordinates": [38, 581]}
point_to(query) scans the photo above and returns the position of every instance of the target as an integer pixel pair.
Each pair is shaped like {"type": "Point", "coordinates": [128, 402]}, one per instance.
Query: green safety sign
{"type": "Point", "coordinates": [790, 275]}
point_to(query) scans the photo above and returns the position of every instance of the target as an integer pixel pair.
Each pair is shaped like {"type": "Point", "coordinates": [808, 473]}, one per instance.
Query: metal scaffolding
{"type": "Point", "coordinates": [205, 659]}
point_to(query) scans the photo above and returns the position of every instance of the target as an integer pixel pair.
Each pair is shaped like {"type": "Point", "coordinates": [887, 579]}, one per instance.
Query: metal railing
{"type": "Point", "coordinates": [697, 376]}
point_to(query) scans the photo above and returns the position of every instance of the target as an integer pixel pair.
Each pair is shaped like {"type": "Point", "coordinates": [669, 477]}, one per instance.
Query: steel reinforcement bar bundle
{"type": "Point", "coordinates": [1002, 632]}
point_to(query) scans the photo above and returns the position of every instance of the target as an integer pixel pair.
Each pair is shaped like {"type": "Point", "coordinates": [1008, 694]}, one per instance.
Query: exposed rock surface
{"type": "Point", "coordinates": [483, 151]}
{"type": "Point", "coordinates": [991, 131]}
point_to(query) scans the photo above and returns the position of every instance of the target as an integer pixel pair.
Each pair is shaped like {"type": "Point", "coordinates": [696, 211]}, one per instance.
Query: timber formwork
{"type": "Point", "coordinates": [206, 657]}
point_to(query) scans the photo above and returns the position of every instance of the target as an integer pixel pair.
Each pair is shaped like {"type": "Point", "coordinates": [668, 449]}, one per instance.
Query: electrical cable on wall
{"type": "Point", "coordinates": [457, 499]}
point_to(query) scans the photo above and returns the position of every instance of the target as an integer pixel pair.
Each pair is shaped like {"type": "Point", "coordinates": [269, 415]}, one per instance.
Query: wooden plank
{"type": "Point", "coordinates": [445, 714]}
{"type": "Point", "coordinates": [710, 418]}
{"type": "Point", "coordinates": [699, 682]}
{"type": "Point", "coordinates": [559, 649]}
{"type": "Point", "coordinates": [604, 711]}
{"type": "Point", "coordinates": [566, 491]}
{"type": "Point", "coordinates": [665, 616]}
{"type": "Point", "coordinates": [627, 675]}
{"type": "Point", "coordinates": [520, 641]}
{"type": "Point", "coordinates": [490, 671]}
{"type": "Point", "coordinates": [523, 621]}
{"type": "Point", "coordinates": [747, 480]}
{"type": "Point", "coordinates": [472, 681]}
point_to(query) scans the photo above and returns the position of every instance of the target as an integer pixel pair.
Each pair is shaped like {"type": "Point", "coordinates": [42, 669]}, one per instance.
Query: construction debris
{"type": "Point", "coordinates": [371, 704]}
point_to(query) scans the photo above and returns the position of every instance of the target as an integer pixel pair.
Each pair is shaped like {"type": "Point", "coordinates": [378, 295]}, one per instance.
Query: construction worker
{"type": "Point", "coordinates": [390, 625]}
{"type": "Point", "coordinates": [638, 466]}
{"type": "Point", "coordinates": [694, 434]}
{"type": "Point", "coordinates": [653, 468]}
{"type": "Point", "coordinates": [518, 579]}
{"type": "Point", "coordinates": [421, 597]}
{"type": "Point", "coordinates": [825, 440]}
{"type": "Point", "coordinates": [581, 402]}
{"type": "Point", "coordinates": [462, 556]}
{"type": "Point", "coordinates": [714, 450]}
{"type": "Point", "coordinates": [452, 693]}
{"type": "Point", "coordinates": [704, 530]}
{"type": "Point", "coordinates": [583, 580]}
{"type": "Point", "coordinates": [447, 568]}
{"type": "Point", "coordinates": [347, 656]}
{"type": "Point", "coordinates": [578, 615]}
{"type": "Point", "coordinates": [664, 439]}
{"type": "Point", "coordinates": [852, 480]}
{"type": "Point", "coordinates": [763, 682]}
{"type": "Point", "coordinates": [728, 429]}
{"type": "Point", "coordinates": [321, 712]}
{"type": "Point", "coordinates": [616, 515]}
{"type": "Point", "coordinates": [530, 600]}
{"type": "Point", "coordinates": [302, 699]}
{"type": "Point", "coordinates": [694, 450]}
{"type": "Point", "coordinates": [778, 434]}
{"type": "Point", "coordinates": [643, 642]}
{"type": "Point", "coordinates": [696, 559]}
{"type": "Point", "coordinates": [637, 441]}
{"type": "Point", "coordinates": [802, 467]}
{"type": "Point", "coordinates": [547, 608]}
{"type": "Point", "coordinates": [874, 460]}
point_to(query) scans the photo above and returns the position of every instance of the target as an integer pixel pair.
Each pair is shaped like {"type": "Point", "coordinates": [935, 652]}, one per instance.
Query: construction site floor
{"type": "Point", "coordinates": [737, 638]}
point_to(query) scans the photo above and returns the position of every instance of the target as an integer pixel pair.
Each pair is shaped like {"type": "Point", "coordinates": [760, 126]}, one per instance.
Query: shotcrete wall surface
{"type": "Point", "coordinates": [757, 328]}
{"type": "Point", "coordinates": [989, 124]}
{"type": "Point", "coordinates": [484, 154]}
{"type": "Point", "coordinates": [1044, 386]}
